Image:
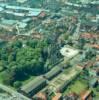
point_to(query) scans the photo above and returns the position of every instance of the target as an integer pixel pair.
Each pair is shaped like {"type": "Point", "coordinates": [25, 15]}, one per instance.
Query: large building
{"type": "Point", "coordinates": [34, 86]}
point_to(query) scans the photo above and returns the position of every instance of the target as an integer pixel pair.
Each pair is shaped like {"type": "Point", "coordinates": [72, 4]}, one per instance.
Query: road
{"type": "Point", "coordinates": [76, 33]}
{"type": "Point", "coordinates": [15, 94]}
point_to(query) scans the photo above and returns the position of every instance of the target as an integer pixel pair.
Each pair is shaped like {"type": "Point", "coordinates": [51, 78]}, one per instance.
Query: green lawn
{"type": "Point", "coordinates": [77, 87]}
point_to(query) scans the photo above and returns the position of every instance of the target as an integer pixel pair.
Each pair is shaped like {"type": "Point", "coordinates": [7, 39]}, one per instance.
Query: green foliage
{"type": "Point", "coordinates": [32, 43]}
{"type": "Point", "coordinates": [17, 44]}
{"type": "Point", "coordinates": [33, 59]}
{"type": "Point", "coordinates": [81, 43]}
{"type": "Point", "coordinates": [97, 89]}
{"type": "Point", "coordinates": [17, 84]}
{"type": "Point", "coordinates": [21, 62]}
{"type": "Point", "coordinates": [9, 77]}
{"type": "Point", "coordinates": [90, 53]}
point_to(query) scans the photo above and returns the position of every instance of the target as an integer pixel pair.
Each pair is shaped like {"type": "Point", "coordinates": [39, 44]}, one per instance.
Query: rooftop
{"type": "Point", "coordinates": [8, 22]}
{"type": "Point", "coordinates": [33, 84]}
{"type": "Point", "coordinates": [57, 96]}
{"type": "Point", "coordinates": [68, 52]}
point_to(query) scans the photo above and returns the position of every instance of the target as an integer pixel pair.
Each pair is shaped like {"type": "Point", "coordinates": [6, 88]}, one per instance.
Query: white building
{"type": "Point", "coordinates": [68, 52]}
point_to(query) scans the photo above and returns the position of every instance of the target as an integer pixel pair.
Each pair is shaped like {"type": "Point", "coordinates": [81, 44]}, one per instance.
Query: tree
{"type": "Point", "coordinates": [89, 53]}
{"type": "Point", "coordinates": [32, 43]}
{"type": "Point", "coordinates": [97, 89]}
{"type": "Point", "coordinates": [23, 61]}
{"type": "Point", "coordinates": [9, 77]}
{"type": "Point", "coordinates": [81, 43]}
{"type": "Point", "coordinates": [17, 44]}
{"type": "Point", "coordinates": [17, 84]}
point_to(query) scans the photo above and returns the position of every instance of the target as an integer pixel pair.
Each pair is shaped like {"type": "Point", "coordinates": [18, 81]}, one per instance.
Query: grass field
{"type": "Point", "coordinates": [77, 87]}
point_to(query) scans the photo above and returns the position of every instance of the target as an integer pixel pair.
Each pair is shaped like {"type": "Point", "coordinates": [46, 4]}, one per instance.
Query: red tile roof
{"type": "Point", "coordinates": [41, 96]}
{"type": "Point", "coordinates": [95, 46]}
{"type": "Point", "coordinates": [89, 35]}
{"type": "Point", "coordinates": [57, 96]}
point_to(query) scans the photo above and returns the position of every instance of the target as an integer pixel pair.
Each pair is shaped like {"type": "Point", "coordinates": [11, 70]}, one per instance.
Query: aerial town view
{"type": "Point", "coordinates": [49, 49]}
